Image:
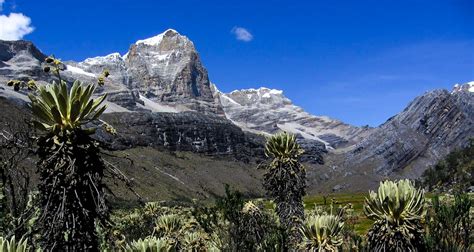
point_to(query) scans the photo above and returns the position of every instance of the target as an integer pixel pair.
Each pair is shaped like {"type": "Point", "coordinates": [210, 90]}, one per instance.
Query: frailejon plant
{"type": "Point", "coordinates": [13, 245]}
{"type": "Point", "coordinates": [71, 190]}
{"type": "Point", "coordinates": [195, 241]}
{"type": "Point", "coordinates": [285, 182]}
{"type": "Point", "coordinates": [397, 209]}
{"type": "Point", "coordinates": [168, 225]}
{"type": "Point", "coordinates": [258, 229]}
{"type": "Point", "coordinates": [150, 244]}
{"type": "Point", "coordinates": [322, 233]}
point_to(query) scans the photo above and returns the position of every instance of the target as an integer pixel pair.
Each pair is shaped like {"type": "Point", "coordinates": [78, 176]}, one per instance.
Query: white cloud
{"type": "Point", "coordinates": [14, 26]}
{"type": "Point", "coordinates": [242, 34]}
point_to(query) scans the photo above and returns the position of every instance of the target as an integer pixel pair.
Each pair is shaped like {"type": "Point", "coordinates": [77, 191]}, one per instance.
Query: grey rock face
{"type": "Point", "coordinates": [195, 132]}
{"type": "Point", "coordinates": [268, 111]}
{"type": "Point", "coordinates": [186, 131]}
{"type": "Point", "coordinates": [20, 60]}
{"type": "Point", "coordinates": [432, 125]}
{"type": "Point", "coordinates": [12, 49]}
{"type": "Point", "coordinates": [165, 70]}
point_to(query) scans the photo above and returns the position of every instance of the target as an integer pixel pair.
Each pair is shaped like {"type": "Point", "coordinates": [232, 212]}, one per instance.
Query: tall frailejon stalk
{"type": "Point", "coordinates": [72, 196]}
{"type": "Point", "coordinates": [285, 182]}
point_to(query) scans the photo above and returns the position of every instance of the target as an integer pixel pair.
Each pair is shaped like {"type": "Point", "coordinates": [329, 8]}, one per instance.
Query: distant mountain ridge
{"type": "Point", "coordinates": [431, 126]}
{"type": "Point", "coordinates": [164, 70]}
{"type": "Point", "coordinates": [268, 111]}
{"type": "Point", "coordinates": [165, 74]}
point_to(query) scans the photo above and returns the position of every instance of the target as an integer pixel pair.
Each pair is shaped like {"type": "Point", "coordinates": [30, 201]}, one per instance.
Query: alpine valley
{"type": "Point", "coordinates": [181, 138]}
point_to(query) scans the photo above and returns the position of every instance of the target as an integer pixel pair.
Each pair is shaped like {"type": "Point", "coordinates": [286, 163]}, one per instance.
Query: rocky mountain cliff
{"type": "Point", "coordinates": [20, 59]}
{"type": "Point", "coordinates": [431, 126]}
{"type": "Point", "coordinates": [268, 111]}
{"type": "Point", "coordinates": [161, 74]}
{"type": "Point", "coordinates": [160, 98]}
{"type": "Point", "coordinates": [186, 131]}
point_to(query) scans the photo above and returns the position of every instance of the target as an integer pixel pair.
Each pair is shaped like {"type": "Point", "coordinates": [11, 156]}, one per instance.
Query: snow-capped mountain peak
{"type": "Point", "coordinates": [156, 40]}
{"type": "Point", "coordinates": [165, 69]}
{"type": "Point", "coordinates": [113, 57]}
{"type": "Point", "coordinates": [268, 111]}
{"type": "Point", "coordinates": [257, 97]}
{"type": "Point", "coordinates": [468, 87]}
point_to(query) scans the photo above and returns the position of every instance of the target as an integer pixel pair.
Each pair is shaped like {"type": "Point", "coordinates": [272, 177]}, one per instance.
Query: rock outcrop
{"type": "Point", "coordinates": [268, 111]}
{"type": "Point", "coordinates": [167, 69]}
{"type": "Point", "coordinates": [186, 131]}
{"type": "Point", "coordinates": [20, 60]}
{"type": "Point", "coordinates": [432, 125]}
{"type": "Point", "coordinates": [161, 74]}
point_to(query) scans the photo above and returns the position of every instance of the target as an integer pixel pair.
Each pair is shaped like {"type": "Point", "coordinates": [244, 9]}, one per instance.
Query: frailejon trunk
{"type": "Point", "coordinates": [285, 182]}
{"type": "Point", "coordinates": [71, 193]}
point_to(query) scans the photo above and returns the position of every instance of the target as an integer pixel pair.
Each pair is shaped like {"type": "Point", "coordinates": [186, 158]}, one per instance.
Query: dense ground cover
{"type": "Point", "coordinates": [361, 224]}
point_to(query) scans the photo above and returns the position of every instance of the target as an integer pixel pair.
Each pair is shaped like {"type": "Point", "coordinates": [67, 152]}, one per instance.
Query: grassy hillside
{"type": "Point", "coordinates": [182, 176]}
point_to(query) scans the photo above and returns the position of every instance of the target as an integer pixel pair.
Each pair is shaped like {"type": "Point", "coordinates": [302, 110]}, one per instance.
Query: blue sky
{"type": "Point", "coordinates": [357, 61]}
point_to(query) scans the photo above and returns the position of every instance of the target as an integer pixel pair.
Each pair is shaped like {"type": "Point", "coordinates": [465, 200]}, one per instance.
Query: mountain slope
{"type": "Point", "coordinates": [268, 111]}
{"type": "Point", "coordinates": [162, 103]}
{"type": "Point", "coordinates": [430, 127]}
{"type": "Point", "coordinates": [161, 74]}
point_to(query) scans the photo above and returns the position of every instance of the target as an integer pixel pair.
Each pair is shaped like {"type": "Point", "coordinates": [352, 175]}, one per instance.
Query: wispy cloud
{"type": "Point", "coordinates": [14, 26]}
{"type": "Point", "coordinates": [241, 34]}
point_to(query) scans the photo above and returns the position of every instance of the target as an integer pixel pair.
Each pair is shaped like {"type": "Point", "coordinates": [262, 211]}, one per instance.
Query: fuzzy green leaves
{"type": "Point", "coordinates": [322, 233]}
{"type": "Point", "coordinates": [14, 245]}
{"type": "Point", "coordinates": [150, 244]}
{"type": "Point", "coordinates": [283, 145]}
{"type": "Point", "coordinates": [60, 110]}
{"type": "Point", "coordinates": [395, 202]}
{"type": "Point", "coordinates": [397, 209]}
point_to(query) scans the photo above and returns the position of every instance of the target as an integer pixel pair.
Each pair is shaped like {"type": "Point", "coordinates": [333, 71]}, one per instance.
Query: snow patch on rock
{"type": "Point", "coordinates": [156, 40]}
{"type": "Point", "coordinates": [100, 60]}
{"type": "Point", "coordinates": [268, 111]}
{"type": "Point", "coordinates": [78, 70]}
{"type": "Point", "coordinates": [466, 87]}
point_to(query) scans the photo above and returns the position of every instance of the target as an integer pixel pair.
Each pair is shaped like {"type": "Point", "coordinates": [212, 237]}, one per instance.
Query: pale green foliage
{"type": "Point", "coordinates": [322, 233]}
{"type": "Point", "coordinates": [168, 225]}
{"type": "Point", "coordinates": [283, 146]}
{"type": "Point", "coordinates": [151, 220]}
{"type": "Point", "coordinates": [251, 209]}
{"type": "Point", "coordinates": [150, 244]}
{"type": "Point", "coordinates": [398, 203]}
{"type": "Point", "coordinates": [195, 241]}
{"type": "Point", "coordinates": [13, 245]}
{"type": "Point", "coordinates": [397, 209]}
{"type": "Point", "coordinates": [60, 110]}
{"type": "Point", "coordinates": [172, 228]}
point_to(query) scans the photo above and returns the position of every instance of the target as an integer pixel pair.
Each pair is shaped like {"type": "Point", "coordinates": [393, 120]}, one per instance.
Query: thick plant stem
{"type": "Point", "coordinates": [291, 216]}
{"type": "Point", "coordinates": [71, 193]}
{"type": "Point", "coordinates": [285, 182]}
